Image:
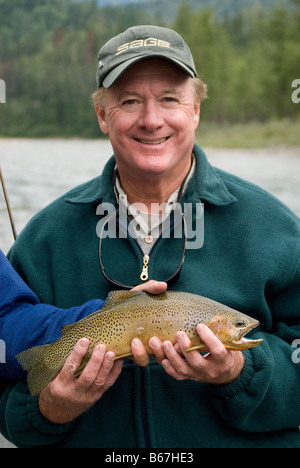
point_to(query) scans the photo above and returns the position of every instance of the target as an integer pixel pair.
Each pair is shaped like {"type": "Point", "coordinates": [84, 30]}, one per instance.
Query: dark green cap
{"type": "Point", "coordinates": [138, 43]}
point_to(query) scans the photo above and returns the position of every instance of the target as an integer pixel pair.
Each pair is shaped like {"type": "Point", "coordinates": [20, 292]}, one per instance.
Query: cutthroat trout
{"type": "Point", "coordinates": [130, 314]}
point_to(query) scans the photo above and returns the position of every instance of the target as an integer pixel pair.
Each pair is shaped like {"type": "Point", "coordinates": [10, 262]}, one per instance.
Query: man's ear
{"type": "Point", "coordinates": [197, 108]}
{"type": "Point", "coordinates": [100, 111]}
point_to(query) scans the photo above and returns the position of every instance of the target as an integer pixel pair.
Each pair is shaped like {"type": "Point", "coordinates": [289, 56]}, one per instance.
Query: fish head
{"type": "Point", "coordinates": [231, 329]}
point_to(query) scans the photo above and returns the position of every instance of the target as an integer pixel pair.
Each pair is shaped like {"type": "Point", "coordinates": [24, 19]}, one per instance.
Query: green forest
{"type": "Point", "coordinates": [48, 50]}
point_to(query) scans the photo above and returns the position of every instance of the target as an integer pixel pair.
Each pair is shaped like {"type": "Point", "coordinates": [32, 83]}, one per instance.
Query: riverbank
{"type": "Point", "coordinates": [274, 133]}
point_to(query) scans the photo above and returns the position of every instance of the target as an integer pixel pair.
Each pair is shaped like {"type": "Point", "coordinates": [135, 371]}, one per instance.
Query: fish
{"type": "Point", "coordinates": [137, 314]}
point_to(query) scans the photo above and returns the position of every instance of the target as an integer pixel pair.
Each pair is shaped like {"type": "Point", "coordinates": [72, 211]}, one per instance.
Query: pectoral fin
{"type": "Point", "coordinates": [122, 356]}
{"type": "Point", "coordinates": [198, 347]}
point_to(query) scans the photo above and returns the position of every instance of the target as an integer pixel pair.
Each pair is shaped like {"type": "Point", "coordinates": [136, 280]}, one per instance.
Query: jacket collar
{"type": "Point", "coordinates": [205, 186]}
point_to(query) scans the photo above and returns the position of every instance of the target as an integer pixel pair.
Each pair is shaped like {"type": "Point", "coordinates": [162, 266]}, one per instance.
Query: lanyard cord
{"type": "Point", "coordinates": [173, 277]}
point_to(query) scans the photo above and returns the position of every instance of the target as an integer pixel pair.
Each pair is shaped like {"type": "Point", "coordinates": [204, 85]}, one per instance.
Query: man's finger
{"type": "Point", "coordinates": [175, 360]}
{"type": "Point", "coordinates": [214, 345]}
{"type": "Point", "coordinates": [74, 360]}
{"type": "Point", "coordinates": [152, 287]}
{"type": "Point", "coordinates": [90, 372]}
{"type": "Point", "coordinates": [139, 352]}
{"type": "Point", "coordinates": [109, 371]}
{"type": "Point", "coordinates": [157, 349]}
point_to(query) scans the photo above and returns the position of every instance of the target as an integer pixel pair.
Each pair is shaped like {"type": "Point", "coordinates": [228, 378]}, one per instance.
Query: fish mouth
{"type": "Point", "coordinates": [239, 340]}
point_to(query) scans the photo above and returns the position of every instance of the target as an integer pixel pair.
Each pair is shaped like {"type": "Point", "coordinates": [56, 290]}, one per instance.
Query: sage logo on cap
{"type": "Point", "coordinates": [150, 41]}
{"type": "Point", "coordinates": [138, 43]}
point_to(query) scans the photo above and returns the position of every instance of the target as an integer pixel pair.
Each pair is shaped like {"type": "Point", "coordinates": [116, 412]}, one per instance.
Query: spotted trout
{"type": "Point", "coordinates": [130, 314]}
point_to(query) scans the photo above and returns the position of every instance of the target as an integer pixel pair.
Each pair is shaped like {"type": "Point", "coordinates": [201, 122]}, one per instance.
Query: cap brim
{"type": "Point", "coordinates": [117, 72]}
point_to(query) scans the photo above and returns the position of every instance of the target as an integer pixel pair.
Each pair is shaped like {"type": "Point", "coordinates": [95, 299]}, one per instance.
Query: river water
{"type": "Point", "coordinates": [38, 171]}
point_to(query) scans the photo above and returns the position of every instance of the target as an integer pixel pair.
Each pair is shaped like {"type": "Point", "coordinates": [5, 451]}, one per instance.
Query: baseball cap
{"type": "Point", "coordinates": [138, 43]}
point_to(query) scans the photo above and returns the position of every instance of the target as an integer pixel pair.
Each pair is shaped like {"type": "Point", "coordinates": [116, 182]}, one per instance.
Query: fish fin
{"type": "Point", "coordinates": [83, 363]}
{"type": "Point", "coordinates": [31, 356]}
{"type": "Point", "coordinates": [199, 347]}
{"type": "Point", "coordinates": [113, 298]}
{"type": "Point", "coordinates": [122, 356]}
{"type": "Point", "coordinates": [119, 296]}
{"type": "Point", "coordinates": [39, 373]}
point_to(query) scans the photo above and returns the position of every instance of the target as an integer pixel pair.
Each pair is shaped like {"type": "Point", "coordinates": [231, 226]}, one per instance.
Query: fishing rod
{"type": "Point", "coordinates": [8, 206]}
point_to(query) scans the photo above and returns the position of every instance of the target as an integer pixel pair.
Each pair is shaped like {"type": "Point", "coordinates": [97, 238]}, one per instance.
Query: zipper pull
{"type": "Point", "coordinates": [144, 275]}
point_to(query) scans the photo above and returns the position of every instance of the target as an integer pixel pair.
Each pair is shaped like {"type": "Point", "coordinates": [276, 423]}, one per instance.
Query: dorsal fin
{"type": "Point", "coordinates": [113, 298]}
{"type": "Point", "coordinates": [119, 296]}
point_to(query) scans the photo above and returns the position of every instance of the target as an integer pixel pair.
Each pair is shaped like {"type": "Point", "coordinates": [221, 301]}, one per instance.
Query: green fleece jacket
{"type": "Point", "coordinates": [250, 260]}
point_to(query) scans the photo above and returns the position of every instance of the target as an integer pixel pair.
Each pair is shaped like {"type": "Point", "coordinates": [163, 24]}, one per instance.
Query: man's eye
{"type": "Point", "coordinates": [170, 99]}
{"type": "Point", "coordinates": [129, 102]}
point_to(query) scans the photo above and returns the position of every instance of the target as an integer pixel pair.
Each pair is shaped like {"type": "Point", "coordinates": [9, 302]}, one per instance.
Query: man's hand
{"type": "Point", "coordinates": [218, 366]}
{"type": "Point", "coordinates": [67, 396]}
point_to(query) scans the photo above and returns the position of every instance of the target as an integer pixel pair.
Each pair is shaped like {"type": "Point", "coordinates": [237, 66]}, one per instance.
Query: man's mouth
{"type": "Point", "coordinates": [152, 142]}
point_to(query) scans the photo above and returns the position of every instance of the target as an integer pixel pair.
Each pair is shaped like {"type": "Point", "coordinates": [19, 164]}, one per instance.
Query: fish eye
{"type": "Point", "coordinates": [240, 323]}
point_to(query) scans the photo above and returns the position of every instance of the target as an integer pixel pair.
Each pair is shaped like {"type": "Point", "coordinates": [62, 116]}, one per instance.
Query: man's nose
{"type": "Point", "coordinates": [151, 116]}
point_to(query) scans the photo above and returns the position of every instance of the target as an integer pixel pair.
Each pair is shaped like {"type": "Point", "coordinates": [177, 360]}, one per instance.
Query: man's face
{"type": "Point", "coordinates": [150, 115]}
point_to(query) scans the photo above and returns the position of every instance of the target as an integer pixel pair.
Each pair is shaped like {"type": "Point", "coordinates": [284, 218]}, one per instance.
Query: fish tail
{"type": "Point", "coordinates": [35, 362]}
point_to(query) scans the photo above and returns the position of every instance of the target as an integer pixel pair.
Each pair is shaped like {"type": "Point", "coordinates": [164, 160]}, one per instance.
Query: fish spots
{"type": "Point", "coordinates": [128, 315]}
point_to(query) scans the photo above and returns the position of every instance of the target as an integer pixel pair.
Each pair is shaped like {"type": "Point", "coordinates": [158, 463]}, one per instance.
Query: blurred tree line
{"type": "Point", "coordinates": [48, 58]}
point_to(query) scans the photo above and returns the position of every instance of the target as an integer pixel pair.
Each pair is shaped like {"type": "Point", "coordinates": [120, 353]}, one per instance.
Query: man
{"type": "Point", "coordinates": [149, 104]}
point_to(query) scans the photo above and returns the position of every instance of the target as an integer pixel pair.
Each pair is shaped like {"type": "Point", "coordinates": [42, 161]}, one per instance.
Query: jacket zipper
{"type": "Point", "coordinates": [146, 259]}
{"type": "Point", "coordinates": [145, 275]}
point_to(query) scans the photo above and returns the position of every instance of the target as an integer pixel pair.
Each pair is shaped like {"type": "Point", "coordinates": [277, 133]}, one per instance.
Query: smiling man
{"type": "Point", "coordinates": [151, 115]}
{"type": "Point", "coordinates": [148, 102]}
